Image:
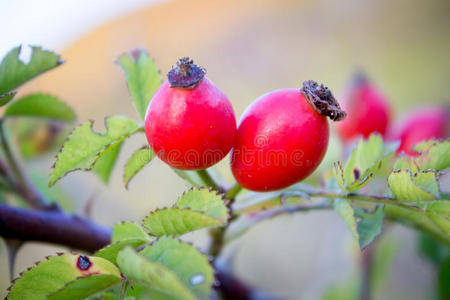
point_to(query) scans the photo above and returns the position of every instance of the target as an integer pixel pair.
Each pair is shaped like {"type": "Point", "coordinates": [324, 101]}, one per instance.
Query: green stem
{"type": "Point", "coordinates": [208, 180]}
{"type": "Point", "coordinates": [23, 185]}
{"type": "Point", "coordinates": [124, 289]}
{"type": "Point", "coordinates": [233, 191]}
{"type": "Point", "coordinates": [10, 157]}
{"type": "Point", "coordinates": [364, 198]}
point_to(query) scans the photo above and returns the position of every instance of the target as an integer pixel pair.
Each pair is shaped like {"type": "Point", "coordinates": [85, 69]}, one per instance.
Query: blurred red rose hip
{"type": "Point", "coordinates": [367, 110]}
{"type": "Point", "coordinates": [283, 136]}
{"type": "Point", "coordinates": [422, 125]}
{"type": "Point", "coordinates": [190, 123]}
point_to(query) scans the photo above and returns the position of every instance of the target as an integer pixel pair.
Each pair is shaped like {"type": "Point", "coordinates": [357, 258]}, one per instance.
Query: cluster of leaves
{"type": "Point", "coordinates": [154, 264]}
{"type": "Point", "coordinates": [374, 184]}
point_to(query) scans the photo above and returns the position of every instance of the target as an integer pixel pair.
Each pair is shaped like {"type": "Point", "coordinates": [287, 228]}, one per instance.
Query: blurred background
{"type": "Point", "coordinates": [248, 48]}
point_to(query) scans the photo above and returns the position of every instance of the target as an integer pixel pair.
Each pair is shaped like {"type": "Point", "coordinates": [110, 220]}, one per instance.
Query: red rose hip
{"type": "Point", "coordinates": [283, 136]}
{"type": "Point", "coordinates": [367, 108]}
{"type": "Point", "coordinates": [190, 123]}
{"type": "Point", "coordinates": [422, 125]}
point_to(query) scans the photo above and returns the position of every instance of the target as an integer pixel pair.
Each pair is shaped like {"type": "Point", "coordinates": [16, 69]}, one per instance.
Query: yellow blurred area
{"type": "Point", "coordinates": [250, 48]}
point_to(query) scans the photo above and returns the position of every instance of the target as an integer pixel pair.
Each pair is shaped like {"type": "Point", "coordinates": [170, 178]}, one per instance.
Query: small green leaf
{"type": "Point", "coordinates": [176, 221]}
{"type": "Point", "coordinates": [409, 187]}
{"type": "Point", "coordinates": [13, 72]}
{"type": "Point", "coordinates": [190, 265]}
{"type": "Point", "coordinates": [128, 230]}
{"type": "Point", "coordinates": [136, 162]}
{"type": "Point", "coordinates": [84, 146]}
{"type": "Point", "coordinates": [5, 98]}
{"type": "Point", "coordinates": [433, 155]}
{"type": "Point", "coordinates": [370, 157]}
{"type": "Point", "coordinates": [83, 287]}
{"type": "Point", "coordinates": [143, 78]}
{"type": "Point", "coordinates": [196, 209]}
{"type": "Point", "coordinates": [124, 234]}
{"type": "Point", "coordinates": [42, 106]}
{"type": "Point", "coordinates": [53, 274]}
{"type": "Point", "coordinates": [364, 226]}
{"type": "Point", "coordinates": [206, 201]}
{"type": "Point", "coordinates": [162, 282]}
{"type": "Point", "coordinates": [352, 186]}
{"type": "Point", "coordinates": [111, 251]}
{"type": "Point", "coordinates": [105, 163]}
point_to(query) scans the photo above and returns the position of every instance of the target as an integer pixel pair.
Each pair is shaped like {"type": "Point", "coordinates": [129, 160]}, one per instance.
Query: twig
{"type": "Point", "coordinates": [23, 185]}
{"type": "Point", "coordinates": [52, 226]}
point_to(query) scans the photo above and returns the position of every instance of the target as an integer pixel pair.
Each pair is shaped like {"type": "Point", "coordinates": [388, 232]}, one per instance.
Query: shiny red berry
{"type": "Point", "coordinates": [367, 108]}
{"type": "Point", "coordinates": [422, 125]}
{"type": "Point", "coordinates": [190, 123]}
{"type": "Point", "coordinates": [283, 136]}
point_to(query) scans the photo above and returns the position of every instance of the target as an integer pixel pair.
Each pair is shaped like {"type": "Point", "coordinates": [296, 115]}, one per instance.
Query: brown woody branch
{"type": "Point", "coordinates": [57, 227]}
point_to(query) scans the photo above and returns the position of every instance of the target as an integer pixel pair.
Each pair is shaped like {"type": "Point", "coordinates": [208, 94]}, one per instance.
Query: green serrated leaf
{"type": "Point", "coordinates": [111, 251]}
{"type": "Point", "coordinates": [433, 155]}
{"type": "Point", "coordinates": [5, 98]}
{"type": "Point", "coordinates": [13, 72]}
{"type": "Point", "coordinates": [42, 106]}
{"type": "Point", "coordinates": [84, 146]}
{"type": "Point", "coordinates": [143, 78]}
{"type": "Point", "coordinates": [138, 160]}
{"type": "Point", "coordinates": [364, 226]}
{"type": "Point", "coordinates": [190, 265]}
{"type": "Point", "coordinates": [105, 163]}
{"type": "Point", "coordinates": [371, 156]}
{"type": "Point", "coordinates": [128, 230]}
{"type": "Point", "coordinates": [196, 209]}
{"type": "Point", "coordinates": [353, 186]}
{"type": "Point", "coordinates": [206, 201]}
{"type": "Point", "coordinates": [50, 275]}
{"type": "Point", "coordinates": [83, 287]}
{"type": "Point", "coordinates": [409, 187]}
{"type": "Point", "coordinates": [176, 221]}
{"type": "Point", "coordinates": [161, 281]}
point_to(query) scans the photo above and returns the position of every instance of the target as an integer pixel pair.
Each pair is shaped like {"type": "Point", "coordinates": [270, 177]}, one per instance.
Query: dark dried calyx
{"type": "Point", "coordinates": [185, 74]}
{"type": "Point", "coordinates": [322, 100]}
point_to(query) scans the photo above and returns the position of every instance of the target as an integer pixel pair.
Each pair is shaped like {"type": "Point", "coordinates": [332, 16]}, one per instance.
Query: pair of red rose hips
{"type": "Point", "coordinates": [368, 112]}
{"type": "Point", "coordinates": [281, 139]}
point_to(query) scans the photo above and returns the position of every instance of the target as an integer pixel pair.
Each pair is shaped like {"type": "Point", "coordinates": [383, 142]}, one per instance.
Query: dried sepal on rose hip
{"type": "Point", "coordinates": [367, 108]}
{"type": "Point", "coordinates": [283, 136]}
{"type": "Point", "coordinates": [190, 123]}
